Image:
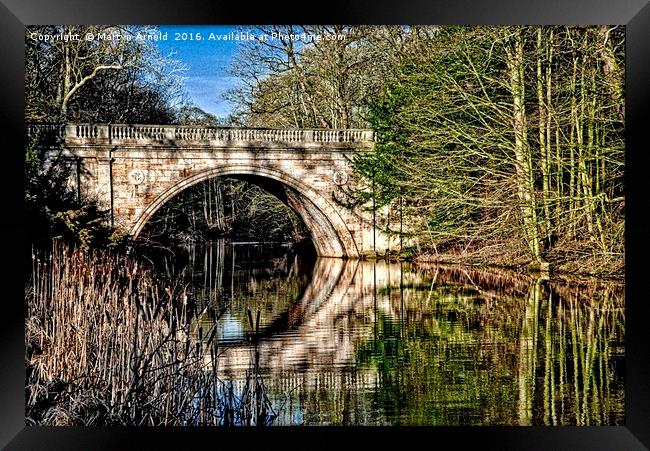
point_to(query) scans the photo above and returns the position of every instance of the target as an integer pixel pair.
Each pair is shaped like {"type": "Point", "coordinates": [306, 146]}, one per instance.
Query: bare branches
{"type": "Point", "coordinates": [505, 134]}
{"type": "Point", "coordinates": [80, 83]}
{"type": "Point", "coordinates": [111, 78]}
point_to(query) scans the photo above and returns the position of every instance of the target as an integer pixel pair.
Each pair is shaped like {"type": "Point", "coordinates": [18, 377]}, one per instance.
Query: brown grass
{"type": "Point", "coordinates": [105, 344]}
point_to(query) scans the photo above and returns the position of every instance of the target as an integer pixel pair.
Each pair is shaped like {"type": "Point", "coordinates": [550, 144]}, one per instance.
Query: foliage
{"type": "Point", "coordinates": [506, 134]}
{"type": "Point", "coordinates": [53, 211]}
{"type": "Point", "coordinates": [488, 138]}
{"type": "Point", "coordinates": [46, 192]}
{"type": "Point", "coordinates": [87, 227]}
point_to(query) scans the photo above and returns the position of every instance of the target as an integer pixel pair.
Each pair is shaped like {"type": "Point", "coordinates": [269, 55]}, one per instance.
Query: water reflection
{"type": "Point", "coordinates": [351, 342]}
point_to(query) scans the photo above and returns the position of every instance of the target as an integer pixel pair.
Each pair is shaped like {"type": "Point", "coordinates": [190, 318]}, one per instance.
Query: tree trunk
{"type": "Point", "coordinates": [523, 158]}
{"type": "Point", "coordinates": [544, 134]}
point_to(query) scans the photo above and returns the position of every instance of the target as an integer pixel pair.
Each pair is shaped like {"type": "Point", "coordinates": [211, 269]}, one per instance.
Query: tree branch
{"type": "Point", "coordinates": [84, 80]}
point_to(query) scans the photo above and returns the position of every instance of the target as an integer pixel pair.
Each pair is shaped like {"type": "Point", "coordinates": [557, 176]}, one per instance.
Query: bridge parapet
{"type": "Point", "coordinates": [133, 134]}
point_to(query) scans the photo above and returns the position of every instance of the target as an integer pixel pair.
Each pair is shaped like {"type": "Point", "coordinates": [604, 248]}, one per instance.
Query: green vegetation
{"type": "Point", "coordinates": [497, 145]}
{"type": "Point", "coordinates": [53, 211]}
{"type": "Point", "coordinates": [507, 144]}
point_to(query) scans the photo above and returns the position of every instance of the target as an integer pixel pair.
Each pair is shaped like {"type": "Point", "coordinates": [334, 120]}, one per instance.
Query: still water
{"type": "Point", "coordinates": [339, 342]}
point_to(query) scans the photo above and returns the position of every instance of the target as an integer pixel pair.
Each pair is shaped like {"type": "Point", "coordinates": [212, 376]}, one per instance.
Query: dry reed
{"type": "Point", "coordinates": [107, 345]}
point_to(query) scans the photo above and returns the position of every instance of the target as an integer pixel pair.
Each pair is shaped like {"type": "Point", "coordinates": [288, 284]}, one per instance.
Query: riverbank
{"type": "Point", "coordinates": [589, 265]}
{"type": "Point", "coordinates": [574, 258]}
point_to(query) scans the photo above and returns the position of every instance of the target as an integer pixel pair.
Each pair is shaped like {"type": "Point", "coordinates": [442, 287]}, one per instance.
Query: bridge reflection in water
{"type": "Point", "coordinates": [357, 342]}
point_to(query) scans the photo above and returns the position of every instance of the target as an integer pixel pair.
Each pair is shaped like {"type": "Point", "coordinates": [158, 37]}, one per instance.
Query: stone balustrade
{"type": "Point", "coordinates": [89, 134]}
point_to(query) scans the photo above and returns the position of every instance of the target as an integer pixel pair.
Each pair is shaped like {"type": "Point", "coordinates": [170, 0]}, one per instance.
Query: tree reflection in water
{"type": "Point", "coordinates": [353, 342]}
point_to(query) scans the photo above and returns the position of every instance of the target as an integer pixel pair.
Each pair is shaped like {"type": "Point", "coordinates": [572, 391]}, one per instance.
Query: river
{"type": "Point", "coordinates": [348, 342]}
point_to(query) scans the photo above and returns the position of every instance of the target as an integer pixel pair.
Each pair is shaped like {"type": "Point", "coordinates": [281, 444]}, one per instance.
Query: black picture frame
{"type": "Point", "coordinates": [15, 14]}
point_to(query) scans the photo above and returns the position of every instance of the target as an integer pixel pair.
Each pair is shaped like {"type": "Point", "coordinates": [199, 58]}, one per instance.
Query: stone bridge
{"type": "Point", "coordinates": [132, 170]}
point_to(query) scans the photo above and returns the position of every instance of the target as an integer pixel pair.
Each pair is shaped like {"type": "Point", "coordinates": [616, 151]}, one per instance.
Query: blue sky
{"type": "Point", "coordinates": [207, 63]}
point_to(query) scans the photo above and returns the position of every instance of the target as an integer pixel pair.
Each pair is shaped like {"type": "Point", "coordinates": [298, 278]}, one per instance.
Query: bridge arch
{"type": "Point", "coordinates": [329, 233]}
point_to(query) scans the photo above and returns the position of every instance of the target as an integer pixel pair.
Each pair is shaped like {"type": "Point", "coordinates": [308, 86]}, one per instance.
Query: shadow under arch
{"type": "Point", "coordinates": [329, 233]}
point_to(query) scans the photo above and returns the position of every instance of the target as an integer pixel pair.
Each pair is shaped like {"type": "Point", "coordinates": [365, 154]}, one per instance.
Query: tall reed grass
{"type": "Point", "coordinates": [107, 345]}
